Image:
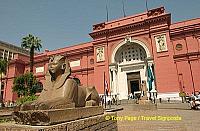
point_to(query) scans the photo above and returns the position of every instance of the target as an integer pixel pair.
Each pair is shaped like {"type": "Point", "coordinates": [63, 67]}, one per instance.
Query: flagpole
{"type": "Point", "coordinates": [104, 88]}
{"type": "Point", "coordinates": [107, 31]}
{"type": "Point", "coordinates": [123, 8]}
{"type": "Point", "coordinates": [147, 64]}
{"type": "Point", "coordinates": [147, 6]}
{"type": "Point", "coordinates": [107, 11]}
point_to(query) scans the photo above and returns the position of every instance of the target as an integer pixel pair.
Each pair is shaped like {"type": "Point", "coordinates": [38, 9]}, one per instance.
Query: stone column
{"type": "Point", "coordinates": [111, 81]}
{"type": "Point", "coordinates": [8, 55]}
{"type": "Point", "coordinates": [114, 78]}
{"type": "Point", "coordinates": [12, 57]}
{"type": "Point", "coordinates": [3, 54]}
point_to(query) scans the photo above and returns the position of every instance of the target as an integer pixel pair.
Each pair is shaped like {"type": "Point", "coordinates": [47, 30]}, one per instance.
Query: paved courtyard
{"type": "Point", "coordinates": [158, 120]}
{"type": "Point", "coordinates": [132, 118]}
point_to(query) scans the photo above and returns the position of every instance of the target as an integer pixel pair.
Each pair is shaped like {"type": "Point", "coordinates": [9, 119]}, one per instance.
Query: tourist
{"type": "Point", "coordinates": [198, 96]}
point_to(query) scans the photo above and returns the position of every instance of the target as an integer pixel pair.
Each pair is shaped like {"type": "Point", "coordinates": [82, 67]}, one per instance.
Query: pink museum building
{"type": "Point", "coordinates": [122, 49]}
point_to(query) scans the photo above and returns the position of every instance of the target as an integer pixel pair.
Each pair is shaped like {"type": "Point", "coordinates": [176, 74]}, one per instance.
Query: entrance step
{"type": "Point", "coordinates": [183, 106]}
{"type": "Point", "coordinates": [140, 107]}
{"type": "Point", "coordinates": [134, 101]}
{"type": "Point", "coordinates": [125, 101]}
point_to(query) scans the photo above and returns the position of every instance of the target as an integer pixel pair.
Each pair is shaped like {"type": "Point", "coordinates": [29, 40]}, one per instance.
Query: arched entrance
{"type": "Point", "coordinates": [128, 68]}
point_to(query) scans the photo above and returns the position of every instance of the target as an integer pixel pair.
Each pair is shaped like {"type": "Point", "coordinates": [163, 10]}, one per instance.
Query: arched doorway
{"type": "Point", "coordinates": [128, 68]}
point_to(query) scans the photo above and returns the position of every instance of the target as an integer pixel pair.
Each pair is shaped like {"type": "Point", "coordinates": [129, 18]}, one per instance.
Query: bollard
{"type": "Point", "coordinates": [168, 100]}
{"type": "Point", "coordinates": [109, 104]}
{"type": "Point", "coordinates": [160, 100]}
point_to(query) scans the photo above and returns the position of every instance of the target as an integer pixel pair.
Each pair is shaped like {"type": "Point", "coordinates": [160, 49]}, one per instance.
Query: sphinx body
{"type": "Point", "coordinates": [61, 91]}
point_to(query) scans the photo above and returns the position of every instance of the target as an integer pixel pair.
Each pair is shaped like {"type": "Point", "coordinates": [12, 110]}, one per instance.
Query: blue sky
{"type": "Point", "coordinates": [60, 23]}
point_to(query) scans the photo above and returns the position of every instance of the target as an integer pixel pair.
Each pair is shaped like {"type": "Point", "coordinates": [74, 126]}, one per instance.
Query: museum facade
{"type": "Point", "coordinates": [126, 53]}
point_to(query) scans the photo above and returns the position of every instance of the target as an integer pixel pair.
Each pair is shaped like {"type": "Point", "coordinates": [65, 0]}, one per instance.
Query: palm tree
{"type": "Point", "coordinates": [3, 68]}
{"type": "Point", "coordinates": [32, 44]}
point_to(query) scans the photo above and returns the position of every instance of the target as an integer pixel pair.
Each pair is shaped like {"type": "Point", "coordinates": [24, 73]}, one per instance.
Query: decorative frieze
{"type": "Point", "coordinates": [161, 43]}
{"type": "Point", "coordinates": [156, 12]}
{"type": "Point", "coordinates": [98, 26]}
{"type": "Point", "coordinates": [100, 54]}
{"type": "Point", "coordinates": [137, 24]}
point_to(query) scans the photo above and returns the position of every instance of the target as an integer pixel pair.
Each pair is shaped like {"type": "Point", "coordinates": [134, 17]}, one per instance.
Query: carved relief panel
{"type": "Point", "coordinates": [161, 43]}
{"type": "Point", "coordinates": [100, 54]}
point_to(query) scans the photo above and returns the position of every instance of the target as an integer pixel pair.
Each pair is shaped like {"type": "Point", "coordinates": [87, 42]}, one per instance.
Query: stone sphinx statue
{"type": "Point", "coordinates": [60, 91]}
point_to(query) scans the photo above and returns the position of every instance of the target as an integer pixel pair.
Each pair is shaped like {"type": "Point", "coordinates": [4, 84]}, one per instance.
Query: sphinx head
{"type": "Point", "coordinates": [58, 65]}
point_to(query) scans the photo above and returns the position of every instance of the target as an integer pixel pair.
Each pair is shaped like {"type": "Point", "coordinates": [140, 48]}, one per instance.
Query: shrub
{"type": "Point", "coordinates": [26, 99]}
{"type": "Point", "coordinates": [26, 85]}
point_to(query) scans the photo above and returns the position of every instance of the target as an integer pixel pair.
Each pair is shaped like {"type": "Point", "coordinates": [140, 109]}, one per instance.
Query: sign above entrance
{"type": "Point", "coordinates": [75, 63]}
{"type": "Point", "coordinates": [39, 69]}
{"type": "Point", "coordinates": [161, 43]}
{"type": "Point", "coordinates": [129, 68]}
{"type": "Point", "coordinates": [100, 54]}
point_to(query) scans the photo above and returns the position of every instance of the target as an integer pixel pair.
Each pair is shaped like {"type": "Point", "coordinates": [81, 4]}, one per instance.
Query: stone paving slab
{"type": "Point", "coordinates": [183, 106]}
{"type": "Point", "coordinates": [187, 120]}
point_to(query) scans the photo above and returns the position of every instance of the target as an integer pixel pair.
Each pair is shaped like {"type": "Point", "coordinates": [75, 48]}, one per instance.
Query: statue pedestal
{"type": "Point", "coordinates": [55, 116]}
{"type": "Point", "coordinates": [145, 104]}
{"type": "Point", "coordinates": [98, 122]}
{"type": "Point", "coordinates": [144, 101]}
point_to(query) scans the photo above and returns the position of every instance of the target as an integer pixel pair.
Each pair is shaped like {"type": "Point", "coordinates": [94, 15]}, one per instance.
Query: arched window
{"type": "Point", "coordinates": [130, 53]}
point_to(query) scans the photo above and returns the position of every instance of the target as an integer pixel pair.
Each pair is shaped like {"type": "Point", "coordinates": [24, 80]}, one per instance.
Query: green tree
{"type": "Point", "coordinates": [26, 85]}
{"type": "Point", "coordinates": [3, 69]}
{"type": "Point", "coordinates": [19, 86]}
{"type": "Point", "coordinates": [32, 44]}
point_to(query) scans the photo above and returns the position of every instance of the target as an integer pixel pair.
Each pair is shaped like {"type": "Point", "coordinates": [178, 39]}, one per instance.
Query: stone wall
{"type": "Point", "coordinates": [97, 123]}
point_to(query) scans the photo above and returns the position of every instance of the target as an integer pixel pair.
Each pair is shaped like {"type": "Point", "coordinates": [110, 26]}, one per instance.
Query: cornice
{"type": "Point", "coordinates": [186, 55]}
{"type": "Point", "coordinates": [40, 75]}
{"type": "Point", "coordinates": [136, 33]}
{"type": "Point", "coordinates": [83, 69]}
{"type": "Point", "coordinates": [14, 48]}
{"type": "Point", "coordinates": [17, 61]}
{"type": "Point", "coordinates": [186, 30]}
{"type": "Point", "coordinates": [88, 49]}
{"type": "Point", "coordinates": [41, 60]}
{"type": "Point", "coordinates": [46, 55]}
{"type": "Point", "coordinates": [145, 24]}
{"type": "Point", "coordinates": [186, 59]}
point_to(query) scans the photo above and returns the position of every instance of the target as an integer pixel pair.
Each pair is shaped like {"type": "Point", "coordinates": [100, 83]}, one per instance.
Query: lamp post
{"type": "Point", "coordinates": [104, 88]}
